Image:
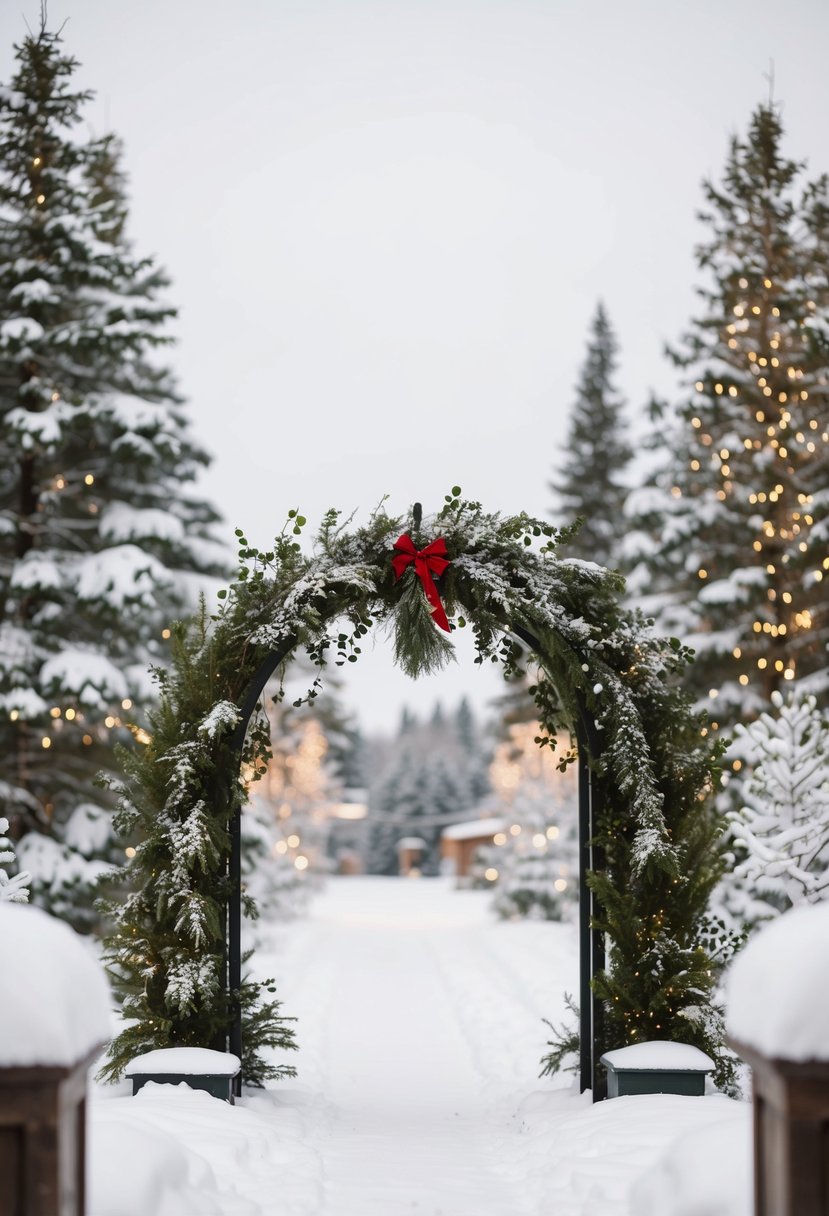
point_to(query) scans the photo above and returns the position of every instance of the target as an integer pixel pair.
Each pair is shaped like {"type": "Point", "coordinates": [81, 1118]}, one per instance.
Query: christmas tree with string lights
{"type": "Point", "coordinates": [745, 493]}
{"type": "Point", "coordinates": [591, 482]}
{"type": "Point", "coordinates": [102, 541]}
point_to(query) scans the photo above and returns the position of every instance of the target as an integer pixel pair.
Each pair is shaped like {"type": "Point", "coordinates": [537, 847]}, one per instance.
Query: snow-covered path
{"type": "Point", "coordinates": [408, 1126]}
{"type": "Point", "coordinates": [420, 1030]}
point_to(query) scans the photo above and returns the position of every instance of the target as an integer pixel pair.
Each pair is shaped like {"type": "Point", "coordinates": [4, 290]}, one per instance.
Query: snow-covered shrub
{"type": "Point", "coordinates": [13, 888]}
{"type": "Point", "coordinates": [781, 833]}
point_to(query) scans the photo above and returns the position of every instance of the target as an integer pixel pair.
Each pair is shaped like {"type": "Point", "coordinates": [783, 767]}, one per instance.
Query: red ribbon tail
{"type": "Point", "coordinates": [431, 591]}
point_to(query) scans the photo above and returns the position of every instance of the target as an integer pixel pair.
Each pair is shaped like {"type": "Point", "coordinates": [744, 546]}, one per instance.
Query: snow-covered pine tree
{"type": "Point", "coordinates": [475, 750]}
{"type": "Point", "coordinates": [299, 788]}
{"type": "Point", "coordinates": [745, 492]}
{"type": "Point", "coordinates": [101, 542]}
{"type": "Point", "coordinates": [536, 854]}
{"type": "Point", "coordinates": [781, 833]}
{"type": "Point", "coordinates": [591, 481]}
{"type": "Point", "coordinates": [429, 780]}
{"type": "Point", "coordinates": [13, 887]}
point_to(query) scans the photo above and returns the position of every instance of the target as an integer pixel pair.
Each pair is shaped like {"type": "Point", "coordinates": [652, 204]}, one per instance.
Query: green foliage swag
{"type": "Point", "coordinates": [655, 768]}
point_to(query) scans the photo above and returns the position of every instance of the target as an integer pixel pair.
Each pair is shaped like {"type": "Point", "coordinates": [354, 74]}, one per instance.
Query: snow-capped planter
{"type": "Point", "coordinates": [778, 1022]}
{"type": "Point", "coordinates": [54, 1020]}
{"type": "Point", "coordinates": [656, 1067]}
{"type": "Point", "coordinates": [198, 1067]}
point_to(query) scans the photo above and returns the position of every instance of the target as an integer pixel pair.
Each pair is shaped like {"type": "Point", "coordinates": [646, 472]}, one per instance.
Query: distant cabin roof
{"type": "Point", "coordinates": [472, 829]}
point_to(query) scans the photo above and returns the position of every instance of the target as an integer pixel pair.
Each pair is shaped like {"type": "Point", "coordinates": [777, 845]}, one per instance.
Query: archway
{"type": "Point", "coordinates": [645, 766]}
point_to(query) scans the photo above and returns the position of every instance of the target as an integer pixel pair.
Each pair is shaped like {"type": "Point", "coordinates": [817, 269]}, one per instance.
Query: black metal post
{"type": "Point", "coordinates": [591, 941]}
{"type": "Point", "coordinates": [598, 1082]}
{"type": "Point", "coordinates": [585, 944]}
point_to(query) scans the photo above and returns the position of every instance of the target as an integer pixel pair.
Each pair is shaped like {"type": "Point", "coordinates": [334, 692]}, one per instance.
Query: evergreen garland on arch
{"type": "Point", "coordinates": [504, 574]}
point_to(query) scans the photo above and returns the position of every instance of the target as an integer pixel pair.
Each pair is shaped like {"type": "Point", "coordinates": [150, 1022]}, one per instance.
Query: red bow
{"type": "Point", "coordinates": [427, 561]}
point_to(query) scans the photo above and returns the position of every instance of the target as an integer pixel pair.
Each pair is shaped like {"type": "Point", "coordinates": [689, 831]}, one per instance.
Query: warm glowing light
{"type": "Point", "coordinates": [280, 847]}
{"type": "Point", "coordinates": [126, 703]}
{"type": "Point", "coordinates": [293, 841]}
{"type": "Point", "coordinates": [55, 711]}
{"type": "Point", "coordinates": [560, 884]}
{"type": "Point", "coordinates": [744, 679]}
{"type": "Point", "coordinates": [89, 479]}
{"type": "Point", "coordinates": [87, 740]}
{"type": "Point", "coordinates": [491, 874]}
{"type": "Point", "coordinates": [46, 741]}
{"type": "Point", "coordinates": [129, 851]}
{"type": "Point", "coordinates": [552, 832]}
{"type": "Point", "coordinates": [540, 840]}
{"type": "Point", "coordinates": [515, 830]}
{"type": "Point", "coordinates": [301, 862]}
{"type": "Point", "coordinates": [41, 198]}
{"type": "Point", "coordinates": [165, 633]}
{"type": "Point", "coordinates": [70, 714]}
{"type": "Point", "coordinates": [702, 573]}
{"type": "Point", "coordinates": [762, 664]}
{"type": "Point", "coordinates": [499, 838]}
{"type": "Point", "coordinates": [109, 721]}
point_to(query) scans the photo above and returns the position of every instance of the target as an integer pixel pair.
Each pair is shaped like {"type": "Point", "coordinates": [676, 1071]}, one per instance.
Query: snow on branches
{"type": "Point", "coordinates": [782, 830]}
{"type": "Point", "coordinates": [12, 888]}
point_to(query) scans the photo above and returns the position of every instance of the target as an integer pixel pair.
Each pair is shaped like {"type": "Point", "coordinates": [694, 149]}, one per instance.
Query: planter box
{"type": "Point", "coordinates": [198, 1067]}
{"type": "Point", "coordinates": [656, 1068]}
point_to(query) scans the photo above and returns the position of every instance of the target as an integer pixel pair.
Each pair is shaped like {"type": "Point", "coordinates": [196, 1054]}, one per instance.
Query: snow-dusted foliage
{"type": "Point", "coordinates": [732, 531]}
{"type": "Point", "coordinates": [600, 667]}
{"type": "Point", "coordinates": [13, 887]}
{"type": "Point", "coordinates": [781, 832]}
{"type": "Point", "coordinates": [101, 539]}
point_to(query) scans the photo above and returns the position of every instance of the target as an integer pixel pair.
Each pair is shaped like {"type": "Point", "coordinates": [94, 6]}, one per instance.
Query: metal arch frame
{"type": "Point", "coordinates": [591, 941]}
{"type": "Point", "coordinates": [233, 925]}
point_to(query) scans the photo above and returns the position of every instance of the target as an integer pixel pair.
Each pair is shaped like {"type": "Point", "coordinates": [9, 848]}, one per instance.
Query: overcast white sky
{"type": "Point", "coordinates": [388, 224]}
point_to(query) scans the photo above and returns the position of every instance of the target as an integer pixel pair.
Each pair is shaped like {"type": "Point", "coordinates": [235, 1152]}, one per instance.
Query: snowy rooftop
{"type": "Point", "coordinates": [659, 1054]}
{"type": "Point", "coordinates": [778, 987]}
{"type": "Point", "coordinates": [55, 1008]}
{"type": "Point", "coordinates": [472, 829]}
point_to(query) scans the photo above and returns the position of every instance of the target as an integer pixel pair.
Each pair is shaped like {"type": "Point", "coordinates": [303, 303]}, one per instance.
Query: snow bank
{"type": "Point", "coordinates": [186, 1061]}
{"type": "Point", "coordinates": [777, 988]}
{"type": "Point", "coordinates": [55, 1008]}
{"type": "Point", "coordinates": [176, 1151]}
{"type": "Point", "coordinates": [706, 1172]}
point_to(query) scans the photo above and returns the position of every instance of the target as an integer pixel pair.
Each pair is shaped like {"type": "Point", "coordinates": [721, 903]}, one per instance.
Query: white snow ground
{"type": "Point", "coordinates": [419, 1021]}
